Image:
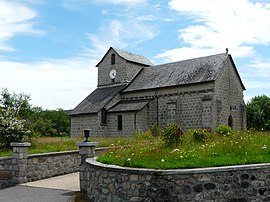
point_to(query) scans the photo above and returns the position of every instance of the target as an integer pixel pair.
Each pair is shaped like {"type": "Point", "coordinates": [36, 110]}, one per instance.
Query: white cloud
{"type": "Point", "coordinates": [261, 68]}
{"type": "Point", "coordinates": [14, 19]}
{"type": "Point", "coordinates": [121, 34]}
{"type": "Point", "coordinates": [146, 18]}
{"type": "Point", "coordinates": [217, 24]}
{"type": "Point", "coordinates": [128, 2]}
{"type": "Point", "coordinates": [61, 83]}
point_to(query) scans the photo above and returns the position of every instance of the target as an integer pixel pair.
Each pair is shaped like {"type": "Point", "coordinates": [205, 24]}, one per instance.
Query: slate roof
{"type": "Point", "coordinates": [94, 102]}
{"type": "Point", "coordinates": [129, 105]}
{"type": "Point", "coordinates": [190, 71]}
{"type": "Point", "coordinates": [131, 57]}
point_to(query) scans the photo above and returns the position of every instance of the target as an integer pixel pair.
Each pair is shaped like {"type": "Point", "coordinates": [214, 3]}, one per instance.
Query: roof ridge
{"type": "Point", "coordinates": [190, 59]}
{"type": "Point", "coordinates": [133, 57]}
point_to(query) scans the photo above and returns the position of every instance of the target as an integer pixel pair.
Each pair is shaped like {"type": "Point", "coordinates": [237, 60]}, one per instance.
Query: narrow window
{"type": "Point", "coordinates": [230, 121]}
{"type": "Point", "coordinates": [103, 116]}
{"type": "Point", "coordinates": [113, 59]}
{"type": "Point", "coordinates": [120, 122]}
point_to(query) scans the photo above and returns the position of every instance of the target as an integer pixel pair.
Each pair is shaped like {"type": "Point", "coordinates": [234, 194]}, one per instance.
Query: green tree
{"type": "Point", "coordinates": [14, 108]}
{"type": "Point", "coordinates": [258, 113]}
{"type": "Point", "coordinates": [50, 122]}
{"type": "Point", "coordinates": [17, 114]}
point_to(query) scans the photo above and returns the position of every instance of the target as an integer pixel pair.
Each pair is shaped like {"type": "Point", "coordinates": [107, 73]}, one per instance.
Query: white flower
{"type": "Point", "coordinates": [264, 147]}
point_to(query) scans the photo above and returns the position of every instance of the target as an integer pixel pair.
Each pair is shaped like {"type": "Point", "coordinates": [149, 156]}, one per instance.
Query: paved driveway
{"type": "Point", "coordinates": [56, 189]}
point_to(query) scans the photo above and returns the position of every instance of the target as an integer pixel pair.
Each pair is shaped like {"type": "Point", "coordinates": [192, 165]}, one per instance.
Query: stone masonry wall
{"type": "Point", "coordinates": [222, 184]}
{"type": "Point", "coordinates": [40, 166]}
{"type": "Point", "coordinates": [6, 171]}
{"type": "Point", "coordinates": [125, 71]}
{"type": "Point", "coordinates": [81, 122]}
{"type": "Point", "coordinates": [229, 93]}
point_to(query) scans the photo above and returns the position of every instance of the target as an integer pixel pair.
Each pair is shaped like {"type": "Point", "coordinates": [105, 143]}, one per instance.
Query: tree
{"type": "Point", "coordinates": [50, 122]}
{"type": "Point", "coordinates": [17, 114]}
{"type": "Point", "coordinates": [13, 109]}
{"type": "Point", "coordinates": [258, 113]}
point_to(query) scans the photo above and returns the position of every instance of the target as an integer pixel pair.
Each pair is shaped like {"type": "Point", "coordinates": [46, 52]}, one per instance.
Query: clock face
{"type": "Point", "coordinates": [112, 74]}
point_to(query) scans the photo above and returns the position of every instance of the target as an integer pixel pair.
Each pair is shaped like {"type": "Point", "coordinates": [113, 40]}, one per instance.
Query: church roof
{"type": "Point", "coordinates": [131, 57]}
{"type": "Point", "coordinates": [94, 102]}
{"type": "Point", "coordinates": [190, 71]}
{"type": "Point", "coordinates": [129, 105]}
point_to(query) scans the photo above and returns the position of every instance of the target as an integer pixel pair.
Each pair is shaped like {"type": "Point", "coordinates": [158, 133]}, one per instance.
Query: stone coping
{"type": "Point", "coordinates": [53, 153]}
{"type": "Point", "coordinates": [20, 144]}
{"type": "Point", "coordinates": [86, 144]}
{"type": "Point", "coordinates": [6, 157]}
{"type": "Point", "coordinates": [95, 163]}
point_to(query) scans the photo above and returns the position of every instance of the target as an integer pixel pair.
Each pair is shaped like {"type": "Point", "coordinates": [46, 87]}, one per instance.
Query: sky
{"type": "Point", "coordinates": [49, 48]}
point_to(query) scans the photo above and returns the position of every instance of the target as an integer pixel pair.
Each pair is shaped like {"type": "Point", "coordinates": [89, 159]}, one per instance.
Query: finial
{"type": "Point", "coordinates": [227, 50]}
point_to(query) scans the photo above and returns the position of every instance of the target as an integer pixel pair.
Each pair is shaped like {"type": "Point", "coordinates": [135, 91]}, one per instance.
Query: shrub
{"type": "Point", "coordinates": [171, 135]}
{"type": "Point", "coordinates": [143, 136]}
{"type": "Point", "coordinates": [10, 124]}
{"type": "Point", "coordinates": [224, 130]}
{"type": "Point", "coordinates": [155, 130]}
{"type": "Point", "coordinates": [201, 135]}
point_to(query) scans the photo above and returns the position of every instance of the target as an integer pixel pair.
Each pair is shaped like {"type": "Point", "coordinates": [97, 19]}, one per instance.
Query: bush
{"type": "Point", "coordinates": [9, 127]}
{"type": "Point", "coordinates": [224, 130]}
{"type": "Point", "coordinates": [201, 135]}
{"type": "Point", "coordinates": [171, 135]}
{"type": "Point", "coordinates": [144, 136]}
{"type": "Point", "coordinates": [155, 130]}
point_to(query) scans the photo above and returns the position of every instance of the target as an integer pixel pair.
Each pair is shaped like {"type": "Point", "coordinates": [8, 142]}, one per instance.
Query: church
{"type": "Point", "coordinates": [133, 94]}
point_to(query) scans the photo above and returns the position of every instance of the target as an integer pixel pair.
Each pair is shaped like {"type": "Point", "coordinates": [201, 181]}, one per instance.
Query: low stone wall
{"type": "Point", "coordinates": [37, 166]}
{"type": "Point", "coordinates": [21, 168]}
{"type": "Point", "coordinates": [6, 171]}
{"type": "Point", "coordinates": [40, 166]}
{"type": "Point", "coordinates": [233, 183]}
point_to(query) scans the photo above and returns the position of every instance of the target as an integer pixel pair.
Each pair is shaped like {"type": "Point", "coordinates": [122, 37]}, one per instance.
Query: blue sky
{"type": "Point", "coordinates": [49, 48]}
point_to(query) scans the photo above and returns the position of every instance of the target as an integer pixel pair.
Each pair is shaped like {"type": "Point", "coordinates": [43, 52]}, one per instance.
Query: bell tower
{"type": "Point", "coordinates": [119, 67]}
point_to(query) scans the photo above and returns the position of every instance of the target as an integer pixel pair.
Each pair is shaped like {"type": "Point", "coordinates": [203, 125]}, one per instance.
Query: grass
{"type": "Point", "coordinates": [146, 151]}
{"type": "Point", "coordinates": [234, 149]}
{"type": "Point", "coordinates": [57, 144]}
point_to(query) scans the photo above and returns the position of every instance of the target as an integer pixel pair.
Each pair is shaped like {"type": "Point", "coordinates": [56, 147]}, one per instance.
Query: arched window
{"type": "Point", "coordinates": [230, 121]}
{"type": "Point", "coordinates": [113, 59]}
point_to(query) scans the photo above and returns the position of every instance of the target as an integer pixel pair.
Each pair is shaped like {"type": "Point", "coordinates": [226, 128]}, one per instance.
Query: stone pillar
{"type": "Point", "coordinates": [19, 164]}
{"type": "Point", "coordinates": [86, 150]}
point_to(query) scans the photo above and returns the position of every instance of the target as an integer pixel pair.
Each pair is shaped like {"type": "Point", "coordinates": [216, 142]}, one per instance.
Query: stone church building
{"type": "Point", "coordinates": [132, 94]}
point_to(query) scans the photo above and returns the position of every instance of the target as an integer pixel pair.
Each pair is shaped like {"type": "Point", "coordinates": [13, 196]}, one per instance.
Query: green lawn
{"type": "Point", "coordinates": [149, 152]}
{"type": "Point", "coordinates": [238, 148]}
{"type": "Point", "coordinates": [57, 144]}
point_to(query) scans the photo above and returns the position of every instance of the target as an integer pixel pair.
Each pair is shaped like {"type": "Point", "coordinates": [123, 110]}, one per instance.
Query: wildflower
{"type": "Point", "coordinates": [162, 160]}
{"type": "Point", "coordinates": [129, 159]}
{"type": "Point", "coordinates": [264, 147]}
{"type": "Point", "coordinates": [175, 150]}
{"type": "Point", "coordinates": [181, 157]}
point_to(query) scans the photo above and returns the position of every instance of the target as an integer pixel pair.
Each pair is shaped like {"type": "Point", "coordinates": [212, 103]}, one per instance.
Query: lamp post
{"type": "Point", "coordinates": [20, 136]}
{"type": "Point", "coordinates": [86, 135]}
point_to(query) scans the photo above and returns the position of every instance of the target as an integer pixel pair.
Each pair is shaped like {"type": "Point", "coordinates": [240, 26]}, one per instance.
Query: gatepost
{"type": "Point", "coordinates": [19, 164]}
{"type": "Point", "coordinates": [86, 150]}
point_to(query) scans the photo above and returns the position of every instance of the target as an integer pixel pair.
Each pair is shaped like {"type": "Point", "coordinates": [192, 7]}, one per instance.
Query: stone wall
{"type": "Point", "coordinates": [37, 166]}
{"type": "Point", "coordinates": [125, 70]}
{"type": "Point", "coordinates": [232, 183]}
{"type": "Point", "coordinates": [229, 96]}
{"type": "Point", "coordinates": [40, 166]}
{"type": "Point", "coordinates": [81, 122]}
{"type": "Point", "coordinates": [6, 171]}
